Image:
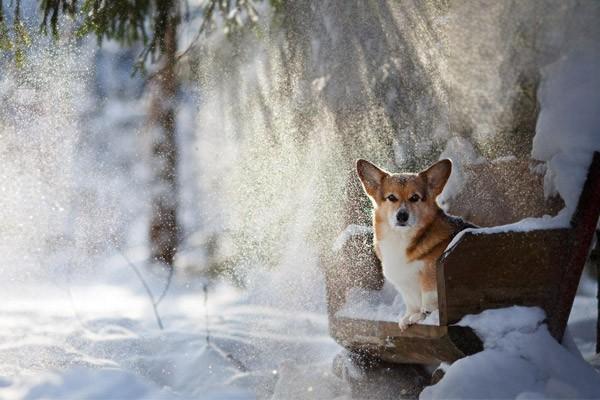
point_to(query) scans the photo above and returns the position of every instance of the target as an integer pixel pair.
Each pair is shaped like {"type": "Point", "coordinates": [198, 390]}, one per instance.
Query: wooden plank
{"type": "Point", "coordinates": [583, 224]}
{"type": "Point", "coordinates": [597, 293]}
{"type": "Point", "coordinates": [495, 270]}
{"type": "Point", "coordinates": [419, 344]}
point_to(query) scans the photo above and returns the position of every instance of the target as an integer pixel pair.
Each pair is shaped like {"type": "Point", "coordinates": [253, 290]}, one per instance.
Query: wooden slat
{"type": "Point", "coordinates": [583, 224]}
{"type": "Point", "coordinates": [537, 268]}
{"type": "Point", "coordinates": [495, 270]}
{"type": "Point", "coordinates": [419, 344]}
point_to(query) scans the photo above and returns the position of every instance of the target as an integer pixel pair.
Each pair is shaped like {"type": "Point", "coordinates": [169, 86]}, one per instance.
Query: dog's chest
{"type": "Point", "coordinates": [396, 266]}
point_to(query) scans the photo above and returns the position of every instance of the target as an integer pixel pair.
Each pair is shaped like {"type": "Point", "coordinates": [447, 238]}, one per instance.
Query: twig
{"type": "Point", "coordinates": [205, 289]}
{"type": "Point", "coordinates": [206, 19]}
{"type": "Point", "coordinates": [167, 285]}
{"type": "Point", "coordinates": [225, 355]}
{"type": "Point", "coordinates": [141, 278]}
{"type": "Point", "coordinates": [67, 289]}
{"type": "Point", "coordinates": [73, 306]}
{"type": "Point", "coordinates": [236, 363]}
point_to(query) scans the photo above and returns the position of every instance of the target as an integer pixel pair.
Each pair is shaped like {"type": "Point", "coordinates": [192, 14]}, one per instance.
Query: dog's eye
{"type": "Point", "coordinates": [392, 198]}
{"type": "Point", "coordinates": [414, 198]}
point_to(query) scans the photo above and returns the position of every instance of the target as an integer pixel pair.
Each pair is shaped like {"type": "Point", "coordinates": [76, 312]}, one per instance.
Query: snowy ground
{"type": "Point", "coordinates": [101, 341]}
{"type": "Point", "coordinates": [104, 343]}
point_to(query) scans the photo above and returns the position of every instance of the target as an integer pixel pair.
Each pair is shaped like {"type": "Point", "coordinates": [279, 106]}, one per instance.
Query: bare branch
{"type": "Point", "coordinates": [167, 284]}
{"type": "Point", "coordinates": [148, 291]}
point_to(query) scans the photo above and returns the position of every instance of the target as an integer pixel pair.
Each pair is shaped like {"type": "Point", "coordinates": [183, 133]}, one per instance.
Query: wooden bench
{"type": "Point", "coordinates": [480, 271]}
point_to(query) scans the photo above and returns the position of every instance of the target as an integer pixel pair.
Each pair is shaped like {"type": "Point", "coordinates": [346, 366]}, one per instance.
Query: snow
{"type": "Point", "coordinates": [525, 225]}
{"type": "Point", "coordinates": [78, 347]}
{"type": "Point", "coordinates": [309, 382]}
{"type": "Point", "coordinates": [74, 320]}
{"type": "Point", "coordinates": [86, 383]}
{"type": "Point", "coordinates": [520, 360]}
{"type": "Point", "coordinates": [493, 325]}
{"type": "Point", "coordinates": [567, 134]}
{"type": "Point", "coordinates": [568, 127]}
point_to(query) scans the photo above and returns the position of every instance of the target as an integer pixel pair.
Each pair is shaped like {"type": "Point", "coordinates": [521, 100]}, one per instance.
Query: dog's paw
{"type": "Point", "coordinates": [410, 319]}
{"type": "Point", "coordinates": [428, 308]}
{"type": "Point", "coordinates": [404, 322]}
{"type": "Point", "coordinates": [416, 317]}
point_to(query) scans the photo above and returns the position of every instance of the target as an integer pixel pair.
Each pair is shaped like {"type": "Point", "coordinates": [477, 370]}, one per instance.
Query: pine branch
{"type": "Point", "coordinates": [5, 42]}
{"type": "Point", "coordinates": [128, 22]}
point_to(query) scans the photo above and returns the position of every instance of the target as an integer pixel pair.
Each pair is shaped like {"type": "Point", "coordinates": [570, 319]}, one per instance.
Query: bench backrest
{"type": "Point", "coordinates": [536, 268]}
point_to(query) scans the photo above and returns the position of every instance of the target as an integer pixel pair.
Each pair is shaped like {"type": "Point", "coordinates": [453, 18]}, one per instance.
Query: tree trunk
{"type": "Point", "coordinates": [164, 224]}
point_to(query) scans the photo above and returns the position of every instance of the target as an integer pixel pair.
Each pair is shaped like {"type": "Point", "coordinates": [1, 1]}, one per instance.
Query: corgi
{"type": "Point", "coordinates": [411, 231]}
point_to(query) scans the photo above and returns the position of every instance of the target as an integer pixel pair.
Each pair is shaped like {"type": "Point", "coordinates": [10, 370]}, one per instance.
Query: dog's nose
{"type": "Point", "coordinates": [402, 216]}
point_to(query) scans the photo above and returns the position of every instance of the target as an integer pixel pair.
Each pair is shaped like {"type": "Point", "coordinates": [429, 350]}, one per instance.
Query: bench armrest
{"type": "Point", "coordinates": [494, 270]}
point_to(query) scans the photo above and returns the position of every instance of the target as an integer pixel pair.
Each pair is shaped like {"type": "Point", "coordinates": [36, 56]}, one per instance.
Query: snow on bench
{"type": "Point", "coordinates": [378, 305]}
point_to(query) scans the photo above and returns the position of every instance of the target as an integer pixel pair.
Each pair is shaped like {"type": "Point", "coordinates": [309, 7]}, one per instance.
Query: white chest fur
{"type": "Point", "coordinates": [404, 275]}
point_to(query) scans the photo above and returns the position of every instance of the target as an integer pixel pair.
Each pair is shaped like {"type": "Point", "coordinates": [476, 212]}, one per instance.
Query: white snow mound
{"type": "Point", "coordinates": [521, 360]}
{"type": "Point", "coordinates": [568, 127]}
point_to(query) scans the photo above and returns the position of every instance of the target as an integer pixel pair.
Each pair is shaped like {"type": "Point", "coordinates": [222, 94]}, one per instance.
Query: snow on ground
{"type": "Point", "coordinates": [582, 321]}
{"type": "Point", "coordinates": [101, 341]}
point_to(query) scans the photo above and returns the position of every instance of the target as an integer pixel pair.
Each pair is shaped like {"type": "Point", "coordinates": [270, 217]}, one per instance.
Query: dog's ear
{"type": "Point", "coordinates": [436, 176]}
{"type": "Point", "coordinates": [370, 176]}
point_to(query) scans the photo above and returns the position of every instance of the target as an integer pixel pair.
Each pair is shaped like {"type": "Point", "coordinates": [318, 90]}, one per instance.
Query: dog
{"type": "Point", "coordinates": [411, 231]}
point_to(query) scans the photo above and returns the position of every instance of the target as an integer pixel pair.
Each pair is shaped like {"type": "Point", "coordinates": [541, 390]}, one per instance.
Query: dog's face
{"type": "Point", "coordinates": [407, 200]}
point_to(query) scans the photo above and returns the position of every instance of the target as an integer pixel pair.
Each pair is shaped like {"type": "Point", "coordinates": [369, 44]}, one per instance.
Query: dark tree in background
{"type": "Point", "coordinates": [154, 24]}
{"type": "Point", "coordinates": [164, 226]}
